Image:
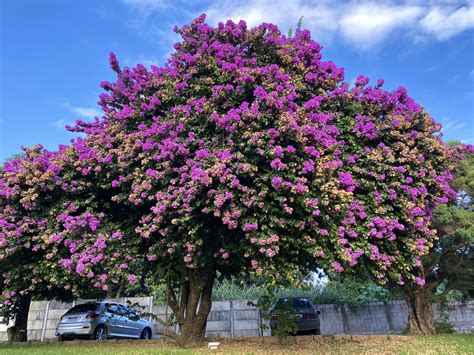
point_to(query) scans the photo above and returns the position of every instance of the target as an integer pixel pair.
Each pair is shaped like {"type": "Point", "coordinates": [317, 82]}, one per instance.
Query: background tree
{"type": "Point", "coordinates": [449, 264]}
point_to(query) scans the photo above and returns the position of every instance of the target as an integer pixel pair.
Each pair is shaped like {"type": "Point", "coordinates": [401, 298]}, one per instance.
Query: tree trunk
{"type": "Point", "coordinates": [192, 309]}
{"type": "Point", "coordinates": [420, 313]}
{"type": "Point", "coordinates": [18, 332]}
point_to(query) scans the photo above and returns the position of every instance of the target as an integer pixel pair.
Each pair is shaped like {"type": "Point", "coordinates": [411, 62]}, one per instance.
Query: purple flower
{"type": "Point", "coordinates": [313, 103]}
{"type": "Point", "coordinates": [361, 81]}
{"type": "Point", "coordinates": [114, 64]}
{"type": "Point", "coordinates": [260, 93]}
{"type": "Point", "coordinates": [80, 268]}
{"type": "Point", "coordinates": [273, 132]}
{"type": "Point", "coordinates": [202, 153]}
{"type": "Point", "coordinates": [277, 164]}
{"type": "Point", "coordinates": [248, 227]}
{"type": "Point", "coordinates": [276, 182]}
{"type": "Point", "coordinates": [152, 173]}
{"type": "Point", "coordinates": [308, 166]}
{"type": "Point", "coordinates": [55, 238]}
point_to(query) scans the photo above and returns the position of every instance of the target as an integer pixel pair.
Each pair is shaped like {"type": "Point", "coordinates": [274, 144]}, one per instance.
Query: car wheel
{"type": "Point", "coordinates": [60, 338]}
{"type": "Point", "coordinates": [99, 333]}
{"type": "Point", "coordinates": [316, 331]}
{"type": "Point", "coordinates": [146, 334]}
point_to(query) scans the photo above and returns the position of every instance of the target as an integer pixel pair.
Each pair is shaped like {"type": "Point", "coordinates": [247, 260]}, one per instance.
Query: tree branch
{"type": "Point", "coordinates": [173, 303]}
{"type": "Point", "coordinates": [444, 252]}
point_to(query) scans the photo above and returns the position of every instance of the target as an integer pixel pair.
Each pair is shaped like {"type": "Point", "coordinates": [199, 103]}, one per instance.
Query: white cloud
{"type": "Point", "coordinates": [59, 123]}
{"type": "Point", "coordinates": [446, 22]}
{"type": "Point", "coordinates": [450, 126]}
{"type": "Point", "coordinates": [86, 112]}
{"type": "Point", "coordinates": [144, 60]}
{"type": "Point", "coordinates": [79, 112]}
{"type": "Point", "coordinates": [147, 6]}
{"type": "Point", "coordinates": [365, 24]}
{"type": "Point", "coordinates": [432, 68]}
{"type": "Point", "coordinates": [318, 16]}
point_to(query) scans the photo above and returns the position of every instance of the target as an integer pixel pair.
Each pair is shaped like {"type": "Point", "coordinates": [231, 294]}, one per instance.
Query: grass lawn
{"type": "Point", "coordinates": [439, 344]}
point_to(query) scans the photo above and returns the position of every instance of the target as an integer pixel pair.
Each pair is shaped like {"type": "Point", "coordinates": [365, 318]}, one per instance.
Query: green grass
{"type": "Point", "coordinates": [438, 344]}
{"type": "Point", "coordinates": [442, 344]}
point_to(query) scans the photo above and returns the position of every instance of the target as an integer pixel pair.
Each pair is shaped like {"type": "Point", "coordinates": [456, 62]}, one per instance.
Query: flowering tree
{"type": "Point", "coordinates": [247, 152]}
{"type": "Point", "coordinates": [50, 233]}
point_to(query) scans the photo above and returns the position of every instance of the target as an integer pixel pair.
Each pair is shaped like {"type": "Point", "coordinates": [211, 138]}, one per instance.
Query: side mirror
{"type": "Point", "coordinates": [318, 312]}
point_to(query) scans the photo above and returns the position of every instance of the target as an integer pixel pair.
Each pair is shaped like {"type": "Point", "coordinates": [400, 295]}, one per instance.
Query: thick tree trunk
{"type": "Point", "coordinates": [420, 313]}
{"type": "Point", "coordinates": [18, 332]}
{"type": "Point", "coordinates": [192, 309]}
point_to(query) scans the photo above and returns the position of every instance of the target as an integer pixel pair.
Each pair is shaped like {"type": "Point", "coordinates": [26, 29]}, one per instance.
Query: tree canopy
{"type": "Point", "coordinates": [246, 151]}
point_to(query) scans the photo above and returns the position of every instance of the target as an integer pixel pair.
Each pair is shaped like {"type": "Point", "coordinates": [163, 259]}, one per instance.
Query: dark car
{"type": "Point", "coordinates": [102, 320]}
{"type": "Point", "coordinates": [306, 315]}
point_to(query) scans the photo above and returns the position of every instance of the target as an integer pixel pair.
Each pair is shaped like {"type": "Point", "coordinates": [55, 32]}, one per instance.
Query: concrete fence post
{"type": "Point", "coordinates": [345, 319]}
{"type": "Point", "coordinates": [390, 323]}
{"type": "Point", "coordinates": [260, 328]}
{"type": "Point", "coordinates": [231, 310]}
{"type": "Point", "coordinates": [150, 307]}
{"type": "Point", "coordinates": [45, 320]}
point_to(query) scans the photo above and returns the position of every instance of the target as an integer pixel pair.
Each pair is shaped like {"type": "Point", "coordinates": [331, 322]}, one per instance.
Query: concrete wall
{"type": "Point", "coordinates": [372, 318]}
{"type": "Point", "coordinates": [237, 319]}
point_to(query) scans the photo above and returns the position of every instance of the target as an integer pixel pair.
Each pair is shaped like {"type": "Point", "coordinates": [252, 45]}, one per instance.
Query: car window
{"type": "Point", "coordinates": [111, 308]}
{"type": "Point", "coordinates": [301, 303]}
{"type": "Point", "coordinates": [130, 313]}
{"type": "Point", "coordinates": [282, 300]}
{"type": "Point", "coordinates": [121, 310]}
{"type": "Point", "coordinates": [85, 307]}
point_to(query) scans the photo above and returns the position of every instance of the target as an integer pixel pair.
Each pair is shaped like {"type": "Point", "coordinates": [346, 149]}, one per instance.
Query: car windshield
{"type": "Point", "coordinates": [85, 307]}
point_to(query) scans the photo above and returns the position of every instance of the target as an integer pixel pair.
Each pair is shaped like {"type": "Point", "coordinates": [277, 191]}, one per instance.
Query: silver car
{"type": "Point", "coordinates": [102, 320]}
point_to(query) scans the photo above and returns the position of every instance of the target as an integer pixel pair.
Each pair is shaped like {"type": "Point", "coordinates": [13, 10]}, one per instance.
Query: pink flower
{"type": "Point", "coordinates": [337, 267]}
{"type": "Point", "coordinates": [421, 282]}
{"type": "Point", "coordinates": [132, 278]}
{"type": "Point", "coordinates": [248, 227]}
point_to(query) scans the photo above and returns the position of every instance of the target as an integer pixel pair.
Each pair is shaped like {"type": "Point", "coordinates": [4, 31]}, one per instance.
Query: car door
{"type": "Point", "coordinates": [129, 322]}
{"type": "Point", "coordinates": [112, 318]}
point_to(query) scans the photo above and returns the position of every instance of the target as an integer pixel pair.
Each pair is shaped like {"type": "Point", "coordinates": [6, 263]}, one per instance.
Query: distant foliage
{"type": "Point", "coordinates": [335, 292]}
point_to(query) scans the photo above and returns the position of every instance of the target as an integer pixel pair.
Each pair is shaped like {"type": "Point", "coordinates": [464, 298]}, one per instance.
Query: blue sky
{"type": "Point", "coordinates": [54, 53]}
